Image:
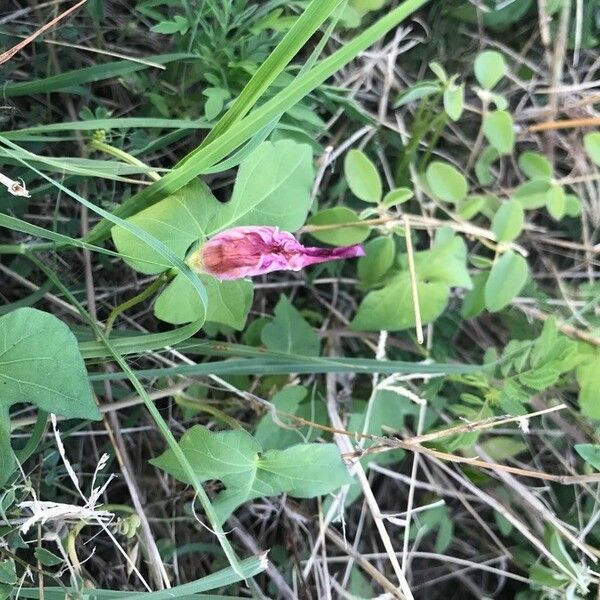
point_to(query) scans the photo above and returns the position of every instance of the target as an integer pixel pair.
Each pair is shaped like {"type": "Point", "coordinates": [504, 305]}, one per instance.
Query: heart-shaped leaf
{"type": "Point", "coordinates": [228, 302]}
{"type": "Point", "coordinates": [39, 363]}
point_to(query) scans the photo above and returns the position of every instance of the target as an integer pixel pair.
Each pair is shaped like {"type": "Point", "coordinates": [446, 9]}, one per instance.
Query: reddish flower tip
{"type": "Point", "coordinates": [249, 251]}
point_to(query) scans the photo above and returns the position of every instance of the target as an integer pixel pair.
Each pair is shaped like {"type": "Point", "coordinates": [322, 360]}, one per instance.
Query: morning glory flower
{"type": "Point", "coordinates": [249, 251]}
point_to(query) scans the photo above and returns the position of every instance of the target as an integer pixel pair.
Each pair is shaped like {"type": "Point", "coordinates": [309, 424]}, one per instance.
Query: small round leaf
{"type": "Point", "coordinates": [362, 176]}
{"type": "Point", "coordinates": [397, 196]}
{"type": "Point", "coordinates": [533, 194]}
{"type": "Point", "coordinates": [572, 206]}
{"type": "Point", "coordinates": [499, 130]}
{"type": "Point", "coordinates": [454, 100]}
{"type": "Point", "coordinates": [446, 182]}
{"type": "Point", "coordinates": [556, 202]}
{"type": "Point", "coordinates": [342, 236]}
{"type": "Point", "coordinates": [506, 280]}
{"type": "Point", "coordinates": [535, 166]}
{"type": "Point", "coordinates": [471, 206]}
{"type": "Point", "coordinates": [591, 143]}
{"type": "Point", "coordinates": [508, 222]}
{"type": "Point", "coordinates": [490, 68]}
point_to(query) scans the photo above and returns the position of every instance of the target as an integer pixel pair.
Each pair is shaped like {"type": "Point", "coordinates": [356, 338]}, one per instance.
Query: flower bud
{"type": "Point", "coordinates": [249, 251]}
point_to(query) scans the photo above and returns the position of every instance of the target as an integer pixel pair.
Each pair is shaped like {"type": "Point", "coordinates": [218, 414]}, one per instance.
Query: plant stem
{"type": "Point", "coordinates": [131, 302]}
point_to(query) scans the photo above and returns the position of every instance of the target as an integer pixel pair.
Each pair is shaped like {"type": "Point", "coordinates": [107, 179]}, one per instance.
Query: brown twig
{"type": "Point", "coordinates": [5, 56]}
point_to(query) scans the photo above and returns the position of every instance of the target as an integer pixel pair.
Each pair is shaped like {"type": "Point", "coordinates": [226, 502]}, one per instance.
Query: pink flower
{"type": "Point", "coordinates": [249, 251]}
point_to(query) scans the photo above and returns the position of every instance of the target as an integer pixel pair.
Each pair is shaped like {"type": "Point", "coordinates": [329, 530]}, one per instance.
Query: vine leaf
{"type": "Point", "coordinates": [39, 363]}
{"type": "Point", "coordinates": [238, 461]}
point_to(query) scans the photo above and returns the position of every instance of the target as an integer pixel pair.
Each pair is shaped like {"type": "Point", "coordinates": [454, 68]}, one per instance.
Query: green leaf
{"type": "Point", "coordinates": [590, 453]}
{"type": "Point", "coordinates": [289, 332]}
{"type": "Point", "coordinates": [508, 222]}
{"type": "Point", "coordinates": [362, 176]}
{"type": "Point", "coordinates": [512, 398]}
{"type": "Point", "coordinates": [490, 68]}
{"type": "Point", "coordinates": [535, 165]}
{"type": "Point", "coordinates": [229, 302]}
{"type": "Point", "coordinates": [439, 72]}
{"type": "Point", "coordinates": [501, 447]}
{"type": "Point", "coordinates": [474, 301]}
{"type": "Point", "coordinates": [177, 221]}
{"type": "Point", "coordinates": [499, 130]}
{"type": "Point", "coordinates": [178, 25]}
{"type": "Point", "coordinates": [215, 100]}
{"type": "Point", "coordinates": [454, 100]}
{"type": "Point", "coordinates": [446, 182]}
{"type": "Point", "coordinates": [546, 577]}
{"type": "Point", "coordinates": [533, 194]}
{"type": "Point", "coordinates": [379, 257]}
{"type": "Point", "coordinates": [556, 201]}
{"type": "Point", "coordinates": [572, 205]}
{"type": "Point", "coordinates": [391, 308]}
{"type": "Point", "coordinates": [591, 143]}
{"type": "Point", "coordinates": [8, 573]}
{"type": "Point", "coordinates": [237, 460]}
{"type": "Point", "coordinates": [276, 431]}
{"type": "Point", "coordinates": [272, 187]}
{"type": "Point", "coordinates": [40, 363]}
{"type": "Point", "coordinates": [506, 280]}
{"type": "Point", "coordinates": [544, 343]}
{"type": "Point", "coordinates": [397, 196]}
{"type": "Point", "coordinates": [47, 558]}
{"type": "Point", "coordinates": [483, 165]}
{"type": "Point", "coordinates": [539, 379]}
{"type": "Point", "coordinates": [588, 378]}
{"type": "Point", "coordinates": [417, 92]}
{"type": "Point", "coordinates": [444, 535]}
{"type": "Point", "coordinates": [437, 270]}
{"type": "Point", "coordinates": [471, 206]}
{"type": "Point", "coordinates": [69, 80]}
{"type": "Point", "coordinates": [342, 236]}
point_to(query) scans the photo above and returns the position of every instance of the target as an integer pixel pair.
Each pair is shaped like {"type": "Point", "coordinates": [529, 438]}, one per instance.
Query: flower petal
{"type": "Point", "coordinates": [249, 251]}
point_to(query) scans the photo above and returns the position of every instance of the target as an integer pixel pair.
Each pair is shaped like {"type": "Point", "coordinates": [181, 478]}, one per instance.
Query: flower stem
{"type": "Point", "coordinates": [143, 295]}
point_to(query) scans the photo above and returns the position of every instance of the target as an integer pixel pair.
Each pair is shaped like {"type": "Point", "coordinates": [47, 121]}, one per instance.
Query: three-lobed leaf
{"type": "Point", "coordinates": [238, 461]}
